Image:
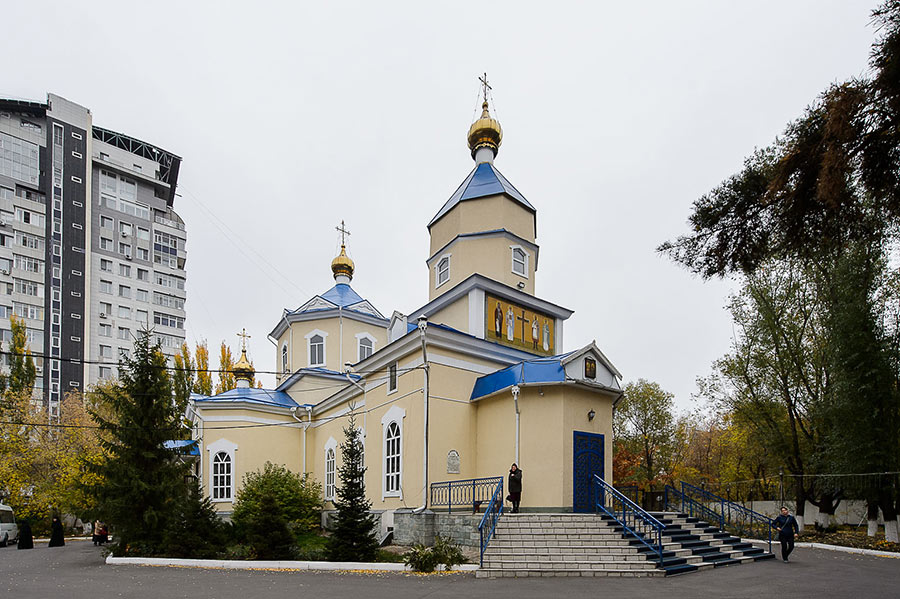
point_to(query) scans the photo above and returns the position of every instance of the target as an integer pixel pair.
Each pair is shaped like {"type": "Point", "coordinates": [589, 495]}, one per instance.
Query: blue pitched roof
{"type": "Point", "coordinates": [342, 295]}
{"type": "Point", "coordinates": [252, 395]}
{"type": "Point", "coordinates": [484, 180]}
{"type": "Point", "coordinates": [537, 371]}
{"type": "Point", "coordinates": [183, 447]}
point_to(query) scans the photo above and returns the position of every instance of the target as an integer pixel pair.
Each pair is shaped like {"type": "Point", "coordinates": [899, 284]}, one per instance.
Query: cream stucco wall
{"type": "Point", "coordinates": [488, 256]}
{"type": "Point", "coordinates": [279, 443]}
{"type": "Point", "coordinates": [335, 329]}
{"type": "Point", "coordinates": [454, 315]}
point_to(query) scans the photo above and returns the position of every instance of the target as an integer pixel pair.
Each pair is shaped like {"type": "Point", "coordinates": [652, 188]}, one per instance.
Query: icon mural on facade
{"type": "Point", "coordinates": [511, 324]}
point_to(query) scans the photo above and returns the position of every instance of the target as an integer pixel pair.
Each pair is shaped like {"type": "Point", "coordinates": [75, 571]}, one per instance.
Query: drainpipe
{"type": "Point", "coordinates": [423, 325]}
{"type": "Point", "coordinates": [515, 394]}
{"type": "Point", "coordinates": [305, 426]}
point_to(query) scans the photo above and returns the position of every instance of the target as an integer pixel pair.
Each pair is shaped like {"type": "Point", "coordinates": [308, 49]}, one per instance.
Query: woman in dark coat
{"type": "Point", "coordinates": [515, 487]}
{"type": "Point", "coordinates": [26, 539]}
{"type": "Point", "coordinates": [56, 533]}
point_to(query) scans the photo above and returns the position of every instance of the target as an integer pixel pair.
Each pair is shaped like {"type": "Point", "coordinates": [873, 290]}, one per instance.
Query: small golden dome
{"type": "Point", "coordinates": [243, 369]}
{"type": "Point", "coordinates": [342, 265]}
{"type": "Point", "coordinates": [485, 132]}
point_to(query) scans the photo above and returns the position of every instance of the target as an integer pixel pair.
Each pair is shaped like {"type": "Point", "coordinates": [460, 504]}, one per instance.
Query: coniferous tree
{"type": "Point", "coordinates": [268, 533]}
{"type": "Point", "coordinates": [143, 481]}
{"type": "Point", "coordinates": [353, 535]}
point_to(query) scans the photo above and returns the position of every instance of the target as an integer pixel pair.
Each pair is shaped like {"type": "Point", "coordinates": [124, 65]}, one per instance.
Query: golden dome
{"type": "Point", "coordinates": [342, 265]}
{"type": "Point", "coordinates": [243, 369]}
{"type": "Point", "coordinates": [485, 132]}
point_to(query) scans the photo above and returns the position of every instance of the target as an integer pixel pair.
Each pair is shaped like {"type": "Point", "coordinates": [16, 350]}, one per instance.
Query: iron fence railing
{"type": "Point", "coordinates": [491, 515]}
{"type": "Point", "coordinates": [734, 517]}
{"type": "Point", "coordinates": [472, 493]}
{"type": "Point", "coordinates": [636, 522]}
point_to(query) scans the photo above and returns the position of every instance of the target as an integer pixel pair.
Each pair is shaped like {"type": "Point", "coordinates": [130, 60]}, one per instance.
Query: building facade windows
{"type": "Point", "coordinates": [442, 271]}
{"type": "Point", "coordinates": [392, 377]}
{"type": "Point", "coordinates": [366, 347]}
{"type": "Point", "coordinates": [329, 474]}
{"type": "Point", "coordinates": [519, 261]}
{"type": "Point", "coordinates": [315, 342]}
{"type": "Point", "coordinates": [284, 358]}
{"type": "Point", "coordinates": [221, 487]}
{"type": "Point", "coordinates": [392, 464]}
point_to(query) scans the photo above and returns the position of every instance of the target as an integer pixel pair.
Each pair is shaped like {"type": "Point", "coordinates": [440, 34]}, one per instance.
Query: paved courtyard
{"type": "Point", "coordinates": [77, 571]}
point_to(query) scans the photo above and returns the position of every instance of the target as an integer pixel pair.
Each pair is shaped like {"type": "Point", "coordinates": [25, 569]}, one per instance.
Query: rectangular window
{"type": "Point", "coordinates": [125, 228]}
{"type": "Point", "coordinates": [105, 372]}
{"type": "Point", "coordinates": [29, 264]}
{"type": "Point", "coordinates": [29, 217]}
{"type": "Point", "coordinates": [106, 351]}
{"type": "Point", "coordinates": [77, 154]}
{"type": "Point", "coordinates": [142, 295]}
{"type": "Point", "coordinates": [19, 159]}
{"type": "Point", "coordinates": [76, 179]}
{"type": "Point", "coordinates": [392, 377]}
{"type": "Point", "coordinates": [125, 312]}
{"type": "Point", "coordinates": [124, 291]}
{"type": "Point", "coordinates": [167, 320]}
{"type": "Point", "coordinates": [143, 317]}
{"type": "Point", "coordinates": [28, 288]}
{"type": "Point", "coordinates": [124, 270]}
{"type": "Point", "coordinates": [143, 275]}
{"type": "Point", "coordinates": [106, 265]}
{"type": "Point", "coordinates": [105, 286]}
{"type": "Point", "coordinates": [124, 333]}
{"type": "Point", "coordinates": [105, 330]}
{"type": "Point", "coordinates": [76, 135]}
{"type": "Point", "coordinates": [143, 254]}
{"type": "Point", "coordinates": [125, 249]}
{"type": "Point", "coordinates": [106, 222]}
{"type": "Point", "coordinates": [143, 234]}
{"type": "Point", "coordinates": [106, 244]}
{"type": "Point", "coordinates": [105, 310]}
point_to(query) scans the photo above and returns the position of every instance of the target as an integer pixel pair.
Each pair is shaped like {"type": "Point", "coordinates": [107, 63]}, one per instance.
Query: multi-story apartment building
{"type": "Point", "coordinates": [91, 250]}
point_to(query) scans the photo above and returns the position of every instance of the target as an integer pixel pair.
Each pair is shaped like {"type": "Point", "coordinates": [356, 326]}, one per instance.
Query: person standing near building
{"type": "Point", "coordinates": [515, 487]}
{"type": "Point", "coordinates": [788, 531]}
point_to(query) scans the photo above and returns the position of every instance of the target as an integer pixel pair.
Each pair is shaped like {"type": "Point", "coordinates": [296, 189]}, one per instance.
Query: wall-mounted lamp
{"type": "Point", "coordinates": [591, 414]}
{"type": "Point", "coordinates": [520, 285]}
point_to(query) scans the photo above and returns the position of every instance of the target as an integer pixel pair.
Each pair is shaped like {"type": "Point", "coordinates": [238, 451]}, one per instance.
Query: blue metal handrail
{"type": "Point", "coordinates": [734, 515]}
{"type": "Point", "coordinates": [636, 522]}
{"type": "Point", "coordinates": [491, 516]}
{"type": "Point", "coordinates": [469, 492]}
{"type": "Point", "coordinates": [692, 507]}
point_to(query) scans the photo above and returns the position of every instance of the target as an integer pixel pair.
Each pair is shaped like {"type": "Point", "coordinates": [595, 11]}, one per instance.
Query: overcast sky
{"type": "Point", "coordinates": [292, 116]}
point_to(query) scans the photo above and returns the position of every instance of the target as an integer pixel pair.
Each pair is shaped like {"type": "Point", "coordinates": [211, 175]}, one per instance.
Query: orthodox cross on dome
{"type": "Point", "coordinates": [484, 86]}
{"type": "Point", "coordinates": [244, 336]}
{"type": "Point", "coordinates": [344, 233]}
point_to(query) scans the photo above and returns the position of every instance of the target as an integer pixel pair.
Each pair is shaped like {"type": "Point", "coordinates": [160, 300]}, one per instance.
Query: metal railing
{"type": "Point", "coordinates": [675, 500]}
{"type": "Point", "coordinates": [471, 492]}
{"type": "Point", "coordinates": [636, 522]}
{"type": "Point", "coordinates": [491, 515]}
{"type": "Point", "coordinates": [734, 517]}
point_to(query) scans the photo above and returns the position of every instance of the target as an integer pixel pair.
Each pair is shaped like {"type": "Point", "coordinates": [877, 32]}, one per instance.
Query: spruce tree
{"type": "Point", "coordinates": [143, 482]}
{"type": "Point", "coordinates": [353, 535]}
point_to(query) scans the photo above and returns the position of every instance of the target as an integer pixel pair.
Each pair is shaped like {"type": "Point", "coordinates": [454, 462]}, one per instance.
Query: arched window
{"type": "Point", "coordinates": [222, 477]}
{"type": "Point", "coordinates": [392, 459]}
{"type": "Point", "coordinates": [317, 350]}
{"type": "Point", "coordinates": [329, 473]}
{"type": "Point", "coordinates": [365, 348]}
{"type": "Point", "coordinates": [442, 271]}
{"type": "Point", "coordinates": [284, 359]}
{"type": "Point", "coordinates": [519, 261]}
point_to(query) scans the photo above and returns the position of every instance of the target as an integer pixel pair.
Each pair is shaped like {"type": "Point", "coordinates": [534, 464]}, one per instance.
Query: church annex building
{"type": "Point", "coordinates": [460, 388]}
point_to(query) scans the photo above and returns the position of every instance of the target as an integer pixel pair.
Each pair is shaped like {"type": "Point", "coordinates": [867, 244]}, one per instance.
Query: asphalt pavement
{"type": "Point", "coordinates": [78, 571]}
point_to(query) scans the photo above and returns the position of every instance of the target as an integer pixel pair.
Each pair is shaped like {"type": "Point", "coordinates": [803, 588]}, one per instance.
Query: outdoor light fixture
{"type": "Point", "coordinates": [591, 414]}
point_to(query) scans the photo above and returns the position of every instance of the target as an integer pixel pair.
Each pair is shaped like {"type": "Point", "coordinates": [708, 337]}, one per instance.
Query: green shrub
{"type": "Point", "coordinates": [268, 534]}
{"type": "Point", "coordinates": [296, 496]}
{"type": "Point", "coordinates": [426, 559]}
{"type": "Point", "coordinates": [420, 558]}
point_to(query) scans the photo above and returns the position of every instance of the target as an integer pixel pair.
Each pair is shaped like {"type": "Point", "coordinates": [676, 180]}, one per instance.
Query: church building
{"type": "Point", "coordinates": [460, 388]}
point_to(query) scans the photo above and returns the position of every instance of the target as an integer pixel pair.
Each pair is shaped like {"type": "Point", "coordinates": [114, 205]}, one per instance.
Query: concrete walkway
{"type": "Point", "coordinates": [78, 571]}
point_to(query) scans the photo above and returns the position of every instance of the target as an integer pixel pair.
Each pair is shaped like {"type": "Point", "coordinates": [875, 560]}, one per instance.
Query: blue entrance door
{"type": "Point", "coordinates": [587, 460]}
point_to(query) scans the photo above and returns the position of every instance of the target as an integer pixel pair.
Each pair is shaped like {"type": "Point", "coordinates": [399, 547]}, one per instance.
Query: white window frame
{"type": "Point", "coordinates": [308, 338]}
{"type": "Point", "coordinates": [230, 449]}
{"type": "Point", "coordinates": [359, 340]}
{"type": "Point", "coordinates": [330, 476]}
{"type": "Point", "coordinates": [393, 381]}
{"type": "Point", "coordinates": [525, 260]}
{"type": "Point", "coordinates": [284, 358]}
{"type": "Point", "coordinates": [395, 415]}
{"type": "Point", "coordinates": [437, 270]}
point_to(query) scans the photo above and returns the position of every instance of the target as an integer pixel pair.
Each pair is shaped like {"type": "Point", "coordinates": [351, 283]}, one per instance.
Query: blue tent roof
{"type": "Point", "coordinates": [484, 180]}
{"type": "Point", "coordinates": [251, 395]}
{"type": "Point", "coordinates": [342, 295]}
{"type": "Point", "coordinates": [183, 447]}
{"type": "Point", "coordinates": [537, 371]}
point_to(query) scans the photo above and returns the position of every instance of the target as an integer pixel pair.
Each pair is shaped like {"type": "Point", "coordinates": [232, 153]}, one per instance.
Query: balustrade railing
{"type": "Point", "coordinates": [472, 493]}
{"type": "Point", "coordinates": [636, 522]}
{"type": "Point", "coordinates": [734, 517]}
{"type": "Point", "coordinates": [491, 515]}
{"type": "Point", "coordinates": [676, 501]}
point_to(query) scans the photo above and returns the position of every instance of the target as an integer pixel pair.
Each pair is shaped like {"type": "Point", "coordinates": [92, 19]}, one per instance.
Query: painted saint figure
{"type": "Point", "coordinates": [510, 324]}
{"type": "Point", "coordinates": [546, 336]}
{"type": "Point", "coordinates": [534, 332]}
{"type": "Point", "coordinates": [498, 320]}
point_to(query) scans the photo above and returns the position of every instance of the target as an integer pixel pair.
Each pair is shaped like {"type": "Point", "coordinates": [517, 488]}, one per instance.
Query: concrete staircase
{"type": "Point", "coordinates": [592, 545]}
